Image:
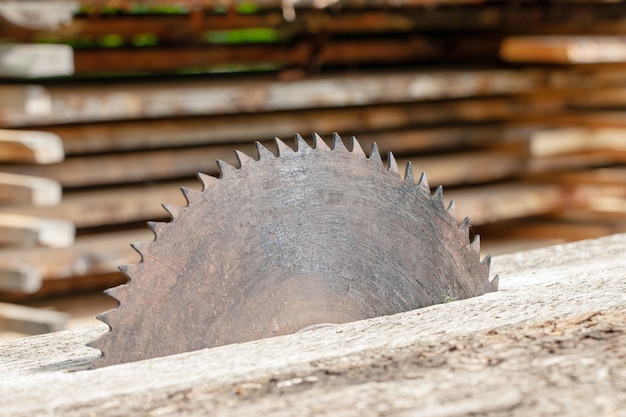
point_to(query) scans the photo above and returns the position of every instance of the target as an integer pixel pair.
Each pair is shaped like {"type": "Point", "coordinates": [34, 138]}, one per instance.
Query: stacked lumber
{"type": "Point", "coordinates": [516, 108]}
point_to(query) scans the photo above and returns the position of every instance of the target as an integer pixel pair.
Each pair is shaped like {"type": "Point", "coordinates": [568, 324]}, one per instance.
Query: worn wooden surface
{"type": "Point", "coordinates": [550, 342]}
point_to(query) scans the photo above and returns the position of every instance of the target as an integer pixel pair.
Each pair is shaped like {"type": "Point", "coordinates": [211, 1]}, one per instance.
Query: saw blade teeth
{"type": "Point", "coordinates": [495, 283]}
{"type": "Point", "coordinates": [139, 248]}
{"type": "Point", "coordinates": [174, 211]}
{"type": "Point", "coordinates": [375, 154]}
{"type": "Point", "coordinates": [207, 180]}
{"type": "Point", "coordinates": [243, 158]}
{"type": "Point", "coordinates": [225, 168]}
{"type": "Point", "coordinates": [264, 153]}
{"type": "Point", "coordinates": [438, 197]}
{"type": "Point", "coordinates": [301, 144]}
{"type": "Point", "coordinates": [356, 147]}
{"type": "Point", "coordinates": [338, 144]}
{"type": "Point", "coordinates": [408, 173]}
{"type": "Point", "coordinates": [392, 164]}
{"type": "Point", "coordinates": [487, 261]}
{"type": "Point", "coordinates": [475, 245]}
{"type": "Point", "coordinates": [283, 148]}
{"type": "Point", "coordinates": [189, 194]}
{"type": "Point", "coordinates": [452, 209]}
{"type": "Point", "coordinates": [157, 228]}
{"type": "Point", "coordinates": [116, 292]}
{"type": "Point", "coordinates": [319, 143]}
{"type": "Point", "coordinates": [423, 183]}
{"type": "Point", "coordinates": [465, 224]}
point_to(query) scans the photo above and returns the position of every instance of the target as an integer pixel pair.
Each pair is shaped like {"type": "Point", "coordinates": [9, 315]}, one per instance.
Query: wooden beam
{"type": "Point", "coordinates": [364, 122]}
{"type": "Point", "coordinates": [36, 61]}
{"type": "Point", "coordinates": [90, 255]}
{"type": "Point", "coordinates": [20, 190]}
{"type": "Point", "coordinates": [493, 203]}
{"type": "Point", "coordinates": [18, 277]}
{"type": "Point", "coordinates": [31, 320]}
{"type": "Point", "coordinates": [46, 15]}
{"type": "Point", "coordinates": [20, 230]}
{"type": "Point", "coordinates": [577, 139]}
{"type": "Point", "coordinates": [564, 49]}
{"type": "Point", "coordinates": [122, 101]}
{"type": "Point", "coordinates": [101, 207]}
{"type": "Point", "coordinates": [33, 147]}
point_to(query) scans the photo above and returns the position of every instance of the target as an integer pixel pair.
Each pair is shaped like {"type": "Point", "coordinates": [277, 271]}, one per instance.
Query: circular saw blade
{"type": "Point", "coordinates": [286, 242]}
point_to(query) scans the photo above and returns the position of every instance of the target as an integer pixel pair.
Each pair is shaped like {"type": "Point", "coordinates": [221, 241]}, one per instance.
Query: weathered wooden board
{"type": "Point", "coordinates": [32, 60]}
{"type": "Point", "coordinates": [503, 17]}
{"type": "Point", "coordinates": [188, 97]}
{"type": "Point", "coordinates": [527, 349]}
{"type": "Point", "coordinates": [90, 255]}
{"type": "Point", "coordinates": [25, 231]}
{"type": "Point", "coordinates": [564, 49]}
{"type": "Point", "coordinates": [30, 146]}
{"type": "Point", "coordinates": [29, 320]}
{"type": "Point", "coordinates": [20, 190]}
{"type": "Point", "coordinates": [367, 123]}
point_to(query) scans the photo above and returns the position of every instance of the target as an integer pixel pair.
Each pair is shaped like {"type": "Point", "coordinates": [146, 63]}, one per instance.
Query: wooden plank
{"type": "Point", "coordinates": [37, 14]}
{"type": "Point", "coordinates": [539, 314]}
{"type": "Point", "coordinates": [101, 207]}
{"type": "Point", "coordinates": [303, 54]}
{"type": "Point", "coordinates": [90, 255]}
{"type": "Point", "coordinates": [493, 203]}
{"type": "Point", "coordinates": [120, 101]}
{"type": "Point", "coordinates": [30, 146]}
{"type": "Point", "coordinates": [20, 230]}
{"type": "Point", "coordinates": [471, 167]}
{"type": "Point", "coordinates": [503, 17]}
{"type": "Point", "coordinates": [20, 190]}
{"type": "Point", "coordinates": [359, 121]}
{"type": "Point", "coordinates": [36, 61]}
{"type": "Point", "coordinates": [31, 320]}
{"type": "Point", "coordinates": [19, 277]}
{"type": "Point", "coordinates": [564, 49]}
{"type": "Point", "coordinates": [552, 142]}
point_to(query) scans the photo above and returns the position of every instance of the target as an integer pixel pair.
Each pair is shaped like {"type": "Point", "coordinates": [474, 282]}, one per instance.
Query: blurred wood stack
{"type": "Point", "coordinates": [516, 107]}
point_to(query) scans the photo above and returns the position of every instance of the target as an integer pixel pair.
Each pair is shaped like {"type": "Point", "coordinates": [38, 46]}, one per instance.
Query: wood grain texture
{"type": "Point", "coordinates": [26, 190]}
{"type": "Point", "coordinates": [572, 292]}
{"type": "Point", "coordinates": [120, 101]}
{"type": "Point", "coordinates": [30, 146]}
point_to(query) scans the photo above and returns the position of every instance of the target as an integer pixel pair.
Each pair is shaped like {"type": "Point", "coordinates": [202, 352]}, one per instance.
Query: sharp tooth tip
{"type": "Point", "coordinates": [408, 173]}
{"type": "Point", "coordinates": [392, 164]}
{"type": "Point", "coordinates": [282, 147]}
{"type": "Point", "coordinates": [338, 143]}
{"type": "Point", "coordinates": [375, 153]}
{"type": "Point", "coordinates": [356, 146]}
{"type": "Point", "coordinates": [243, 158]}
{"type": "Point", "coordinates": [263, 151]}
{"type": "Point", "coordinates": [319, 143]}
{"type": "Point", "coordinates": [301, 144]}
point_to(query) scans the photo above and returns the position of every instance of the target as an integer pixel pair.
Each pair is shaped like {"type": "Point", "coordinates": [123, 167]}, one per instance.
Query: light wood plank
{"type": "Point", "coordinates": [19, 277]}
{"type": "Point", "coordinates": [119, 101]}
{"type": "Point", "coordinates": [20, 190]}
{"type": "Point", "coordinates": [30, 146]}
{"type": "Point", "coordinates": [31, 320]}
{"type": "Point", "coordinates": [365, 122]}
{"type": "Point", "coordinates": [90, 255]}
{"type": "Point", "coordinates": [20, 230]}
{"type": "Point", "coordinates": [36, 61]}
{"type": "Point", "coordinates": [564, 49]}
